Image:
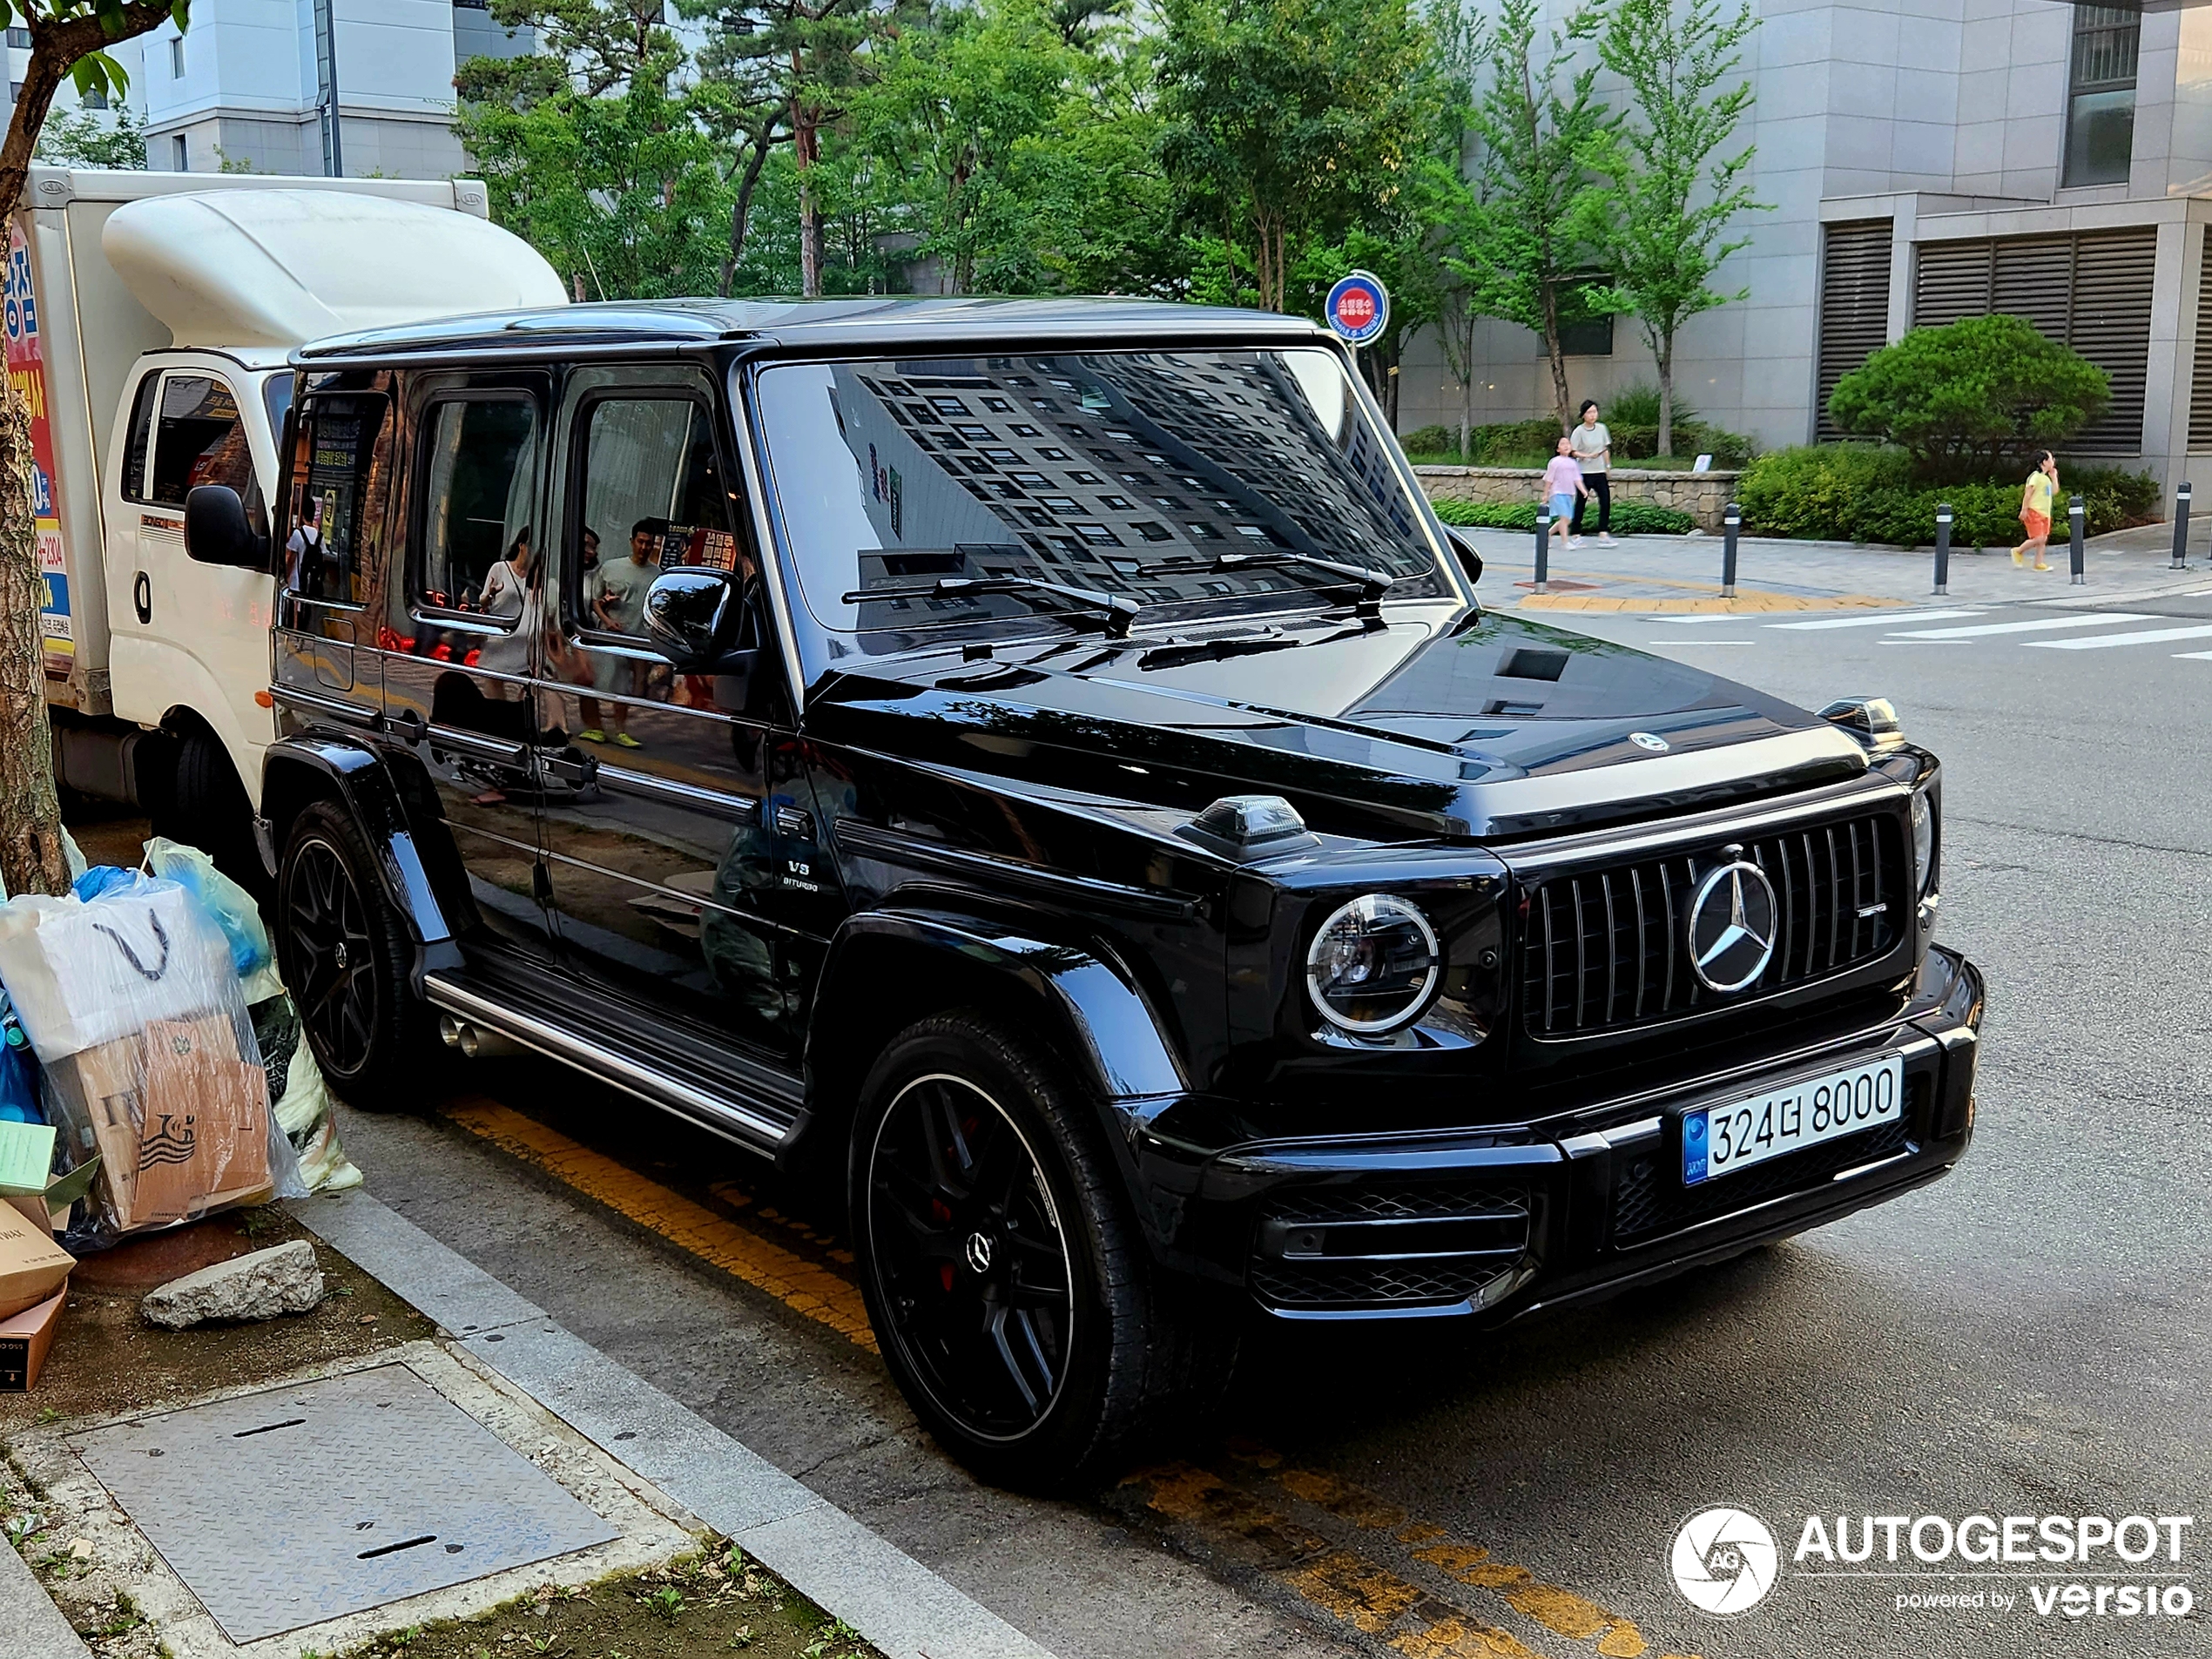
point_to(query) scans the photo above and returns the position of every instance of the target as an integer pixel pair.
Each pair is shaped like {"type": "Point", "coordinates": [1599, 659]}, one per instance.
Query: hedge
{"type": "Point", "coordinates": [1522, 440]}
{"type": "Point", "coordinates": [1862, 493]}
{"type": "Point", "coordinates": [1629, 517]}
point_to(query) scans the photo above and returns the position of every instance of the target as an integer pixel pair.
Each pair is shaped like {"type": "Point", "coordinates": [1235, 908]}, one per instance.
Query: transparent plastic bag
{"type": "Point", "coordinates": [303, 1102]}
{"type": "Point", "coordinates": [231, 905]}
{"type": "Point", "coordinates": [133, 1004]}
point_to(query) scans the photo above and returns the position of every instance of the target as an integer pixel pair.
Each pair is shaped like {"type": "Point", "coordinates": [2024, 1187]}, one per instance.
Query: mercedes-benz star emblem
{"type": "Point", "coordinates": [1650, 740]}
{"type": "Point", "coordinates": [1732, 925]}
{"type": "Point", "coordinates": [979, 1252]}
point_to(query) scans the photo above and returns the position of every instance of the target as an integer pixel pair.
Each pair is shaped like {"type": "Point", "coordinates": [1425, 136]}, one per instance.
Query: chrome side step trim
{"type": "Point", "coordinates": [737, 1124]}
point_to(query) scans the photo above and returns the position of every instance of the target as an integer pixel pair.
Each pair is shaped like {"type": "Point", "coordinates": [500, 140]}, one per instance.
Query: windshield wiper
{"type": "Point", "coordinates": [1373, 583]}
{"type": "Point", "coordinates": [1116, 612]}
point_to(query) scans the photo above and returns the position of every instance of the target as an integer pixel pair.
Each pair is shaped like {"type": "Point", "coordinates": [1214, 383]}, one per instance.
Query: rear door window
{"type": "Point", "coordinates": [480, 469]}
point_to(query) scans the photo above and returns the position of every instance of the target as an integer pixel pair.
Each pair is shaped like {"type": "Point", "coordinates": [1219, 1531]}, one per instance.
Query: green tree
{"type": "Point", "coordinates": [1524, 249]}
{"type": "Point", "coordinates": [80, 138]}
{"type": "Point", "coordinates": [1973, 396]}
{"type": "Point", "coordinates": [69, 40]}
{"type": "Point", "coordinates": [597, 151]}
{"type": "Point", "coordinates": [1292, 121]}
{"type": "Point", "coordinates": [1671, 194]}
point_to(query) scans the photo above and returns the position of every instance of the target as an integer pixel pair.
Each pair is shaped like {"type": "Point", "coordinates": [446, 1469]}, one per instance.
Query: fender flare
{"type": "Point", "coordinates": [300, 769]}
{"type": "Point", "coordinates": [1112, 1036]}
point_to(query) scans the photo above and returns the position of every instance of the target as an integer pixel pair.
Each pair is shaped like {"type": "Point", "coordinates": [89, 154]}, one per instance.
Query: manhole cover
{"type": "Point", "coordinates": [285, 1508]}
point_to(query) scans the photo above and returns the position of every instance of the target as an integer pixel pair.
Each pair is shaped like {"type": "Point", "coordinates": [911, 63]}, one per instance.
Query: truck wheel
{"type": "Point", "coordinates": [209, 809]}
{"type": "Point", "coordinates": [1013, 1298]}
{"type": "Point", "coordinates": [345, 952]}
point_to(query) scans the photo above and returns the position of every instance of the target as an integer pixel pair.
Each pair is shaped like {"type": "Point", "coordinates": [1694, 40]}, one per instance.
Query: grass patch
{"type": "Point", "coordinates": [706, 1606]}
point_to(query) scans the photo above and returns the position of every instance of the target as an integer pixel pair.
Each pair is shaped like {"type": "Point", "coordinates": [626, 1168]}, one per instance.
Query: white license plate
{"type": "Point", "coordinates": [1720, 1140]}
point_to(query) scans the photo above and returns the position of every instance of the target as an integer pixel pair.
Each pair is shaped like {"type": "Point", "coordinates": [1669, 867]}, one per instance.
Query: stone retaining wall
{"type": "Point", "coordinates": [1704, 496]}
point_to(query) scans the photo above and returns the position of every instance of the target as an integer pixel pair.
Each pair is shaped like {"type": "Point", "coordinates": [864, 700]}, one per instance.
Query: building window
{"type": "Point", "coordinates": [177, 154]}
{"type": "Point", "coordinates": [95, 99]}
{"type": "Point", "coordinates": [19, 38]}
{"type": "Point", "coordinates": [2101, 105]}
{"type": "Point", "coordinates": [176, 58]}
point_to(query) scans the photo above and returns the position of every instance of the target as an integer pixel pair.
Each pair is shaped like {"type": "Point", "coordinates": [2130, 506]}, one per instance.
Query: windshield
{"type": "Point", "coordinates": [1127, 473]}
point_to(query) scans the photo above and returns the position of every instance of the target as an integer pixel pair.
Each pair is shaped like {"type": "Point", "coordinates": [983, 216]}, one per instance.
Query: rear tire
{"type": "Point", "coordinates": [346, 956]}
{"type": "Point", "coordinates": [208, 808]}
{"type": "Point", "coordinates": [1015, 1302]}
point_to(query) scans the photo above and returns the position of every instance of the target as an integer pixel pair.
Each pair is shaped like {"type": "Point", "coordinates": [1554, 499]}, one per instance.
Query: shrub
{"type": "Point", "coordinates": [1638, 405]}
{"type": "Point", "coordinates": [1969, 399]}
{"type": "Point", "coordinates": [1860, 493]}
{"type": "Point", "coordinates": [1629, 517]}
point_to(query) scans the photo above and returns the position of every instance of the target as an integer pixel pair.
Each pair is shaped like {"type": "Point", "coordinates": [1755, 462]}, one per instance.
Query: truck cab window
{"type": "Point", "coordinates": [481, 488]}
{"type": "Point", "coordinates": [341, 472]}
{"type": "Point", "coordinates": [197, 440]}
{"type": "Point", "coordinates": [653, 501]}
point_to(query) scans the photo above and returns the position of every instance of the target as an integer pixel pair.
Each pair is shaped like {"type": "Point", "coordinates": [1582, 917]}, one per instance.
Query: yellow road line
{"type": "Point", "coordinates": [804, 1286]}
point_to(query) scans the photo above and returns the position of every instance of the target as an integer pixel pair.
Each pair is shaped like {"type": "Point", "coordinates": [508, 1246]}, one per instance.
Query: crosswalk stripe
{"type": "Point", "coordinates": [2145, 637]}
{"type": "Point", "coordinates": [2192, 656]}
{"type": "Point", "coordinates": [1886, 619]}
{"type": "Point", "coordinates": [1696, 621]}
{"type": "Point", "coordinates": [1978, 630]}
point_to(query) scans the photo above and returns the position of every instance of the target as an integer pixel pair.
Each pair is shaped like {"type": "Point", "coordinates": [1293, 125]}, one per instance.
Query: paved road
{"type": "Point", "coordinates": [2029, 1338]}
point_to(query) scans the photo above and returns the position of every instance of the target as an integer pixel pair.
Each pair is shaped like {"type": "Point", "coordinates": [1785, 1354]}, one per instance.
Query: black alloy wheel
{"type": "Point", "coordinates": [1016, 1301]}
{"type": "Point", "coordinates": [344, 952]}
{"type": "Point", "coordinates": [971, 1257]}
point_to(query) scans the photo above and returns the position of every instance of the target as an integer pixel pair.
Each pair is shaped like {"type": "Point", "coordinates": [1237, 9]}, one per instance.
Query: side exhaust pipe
{"type": "Point", "coordinates": [474, 1040]}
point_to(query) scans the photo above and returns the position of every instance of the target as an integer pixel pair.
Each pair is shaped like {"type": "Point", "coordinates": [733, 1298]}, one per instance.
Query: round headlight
{"type": "Point", "coordinates": [1923, 838]}
{"type": "Point", "coordinates": [1372, 965]}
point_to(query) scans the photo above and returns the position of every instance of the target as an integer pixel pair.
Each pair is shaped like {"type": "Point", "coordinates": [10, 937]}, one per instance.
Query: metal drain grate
{"type": "Point", "coordinates": [285, 1508]}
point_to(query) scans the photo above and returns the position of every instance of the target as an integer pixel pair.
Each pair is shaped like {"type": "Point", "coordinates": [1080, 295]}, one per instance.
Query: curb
{"type": "Point", "coordinates": [34, 1626]}
{"type": "Point", "coordinates": [894, 1601]}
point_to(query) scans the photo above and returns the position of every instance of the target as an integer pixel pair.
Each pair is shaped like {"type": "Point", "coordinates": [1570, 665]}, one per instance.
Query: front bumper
{"type": "Point", "coordinates": [1497, 1222]}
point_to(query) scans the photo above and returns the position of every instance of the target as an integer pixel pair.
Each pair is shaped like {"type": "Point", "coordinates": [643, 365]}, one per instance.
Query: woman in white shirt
{"type": "Point", "coordinates": [1594, 455]}
{"type": "Point", "coordinates": [509, 595]}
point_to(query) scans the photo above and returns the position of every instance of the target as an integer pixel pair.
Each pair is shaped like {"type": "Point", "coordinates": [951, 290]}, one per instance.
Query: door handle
{"type": "Point", "coordinates": [478, 746]}
{"type": "Point", "coordinates": [142, 597]}
{"type": "Point", "coordinates": [411, 727]}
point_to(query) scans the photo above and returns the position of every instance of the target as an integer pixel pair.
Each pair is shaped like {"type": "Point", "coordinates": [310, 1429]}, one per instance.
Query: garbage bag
{"type": "Point", "coordinates": [303, 1101]}
{"type": "Point", "coordinates": [19, 1069]}
{"type": "Point", "coordinates": [101, 878]}
{"type": "Point", "coordinates": [231, 905]}
{"type": "Point", "coordinates": [132, 1002]}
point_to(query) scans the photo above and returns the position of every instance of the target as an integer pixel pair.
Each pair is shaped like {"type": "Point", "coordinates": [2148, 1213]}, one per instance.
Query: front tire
{"type": "Point", "coordinates": [346, 953]}
{"type": "Point", "coordinates": [1015, 1303]}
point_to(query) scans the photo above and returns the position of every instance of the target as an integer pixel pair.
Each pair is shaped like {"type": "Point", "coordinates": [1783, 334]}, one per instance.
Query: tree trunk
{"type": "Point", "coordinates": [806, 150]}
{"type": "Point", "coordinates": [741, 209]}
{"type": "Point", "coordinates": [1667, 394]}
{"type": "Point", "coordinates": [31, 859]}
{"type": "Point", "coordinates": [1556, 355]}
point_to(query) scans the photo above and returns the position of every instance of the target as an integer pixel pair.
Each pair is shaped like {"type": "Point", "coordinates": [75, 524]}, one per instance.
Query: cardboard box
{"type": "Point", "coordinates": [32, 1266]}
{"type": "Point", "coordinates": [24, 1341]}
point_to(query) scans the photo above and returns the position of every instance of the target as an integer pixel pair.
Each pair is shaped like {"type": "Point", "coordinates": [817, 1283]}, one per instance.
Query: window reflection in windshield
{"type": "Point", "coordinates": [1129, 473]}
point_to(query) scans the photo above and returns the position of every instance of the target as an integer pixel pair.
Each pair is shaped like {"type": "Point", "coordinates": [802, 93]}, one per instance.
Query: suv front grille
{"type": "Point", "coordinates": [1606, 949]}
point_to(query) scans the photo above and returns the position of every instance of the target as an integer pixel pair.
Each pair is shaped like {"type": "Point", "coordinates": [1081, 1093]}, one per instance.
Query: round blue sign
{"type": "Point", "coordinates": [1357, 308]}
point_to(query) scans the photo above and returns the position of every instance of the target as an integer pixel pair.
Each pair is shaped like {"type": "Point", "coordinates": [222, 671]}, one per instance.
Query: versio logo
{"type": "Point", "coordinates": [1723, 1560]}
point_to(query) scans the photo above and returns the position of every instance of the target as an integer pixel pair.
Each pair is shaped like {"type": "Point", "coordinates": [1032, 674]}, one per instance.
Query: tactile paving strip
{"type": "Point", "coordinates": [288, 1508]}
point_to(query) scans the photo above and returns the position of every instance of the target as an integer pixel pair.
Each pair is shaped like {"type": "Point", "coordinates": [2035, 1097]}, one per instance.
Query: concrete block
{"type": "Point", "coordinates": [283, 1279]}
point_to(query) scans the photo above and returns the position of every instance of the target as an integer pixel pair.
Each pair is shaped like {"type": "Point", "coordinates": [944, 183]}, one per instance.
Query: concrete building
{"type": "Point", "coordinates": [250, 86]}
{"type": "Point", "coordinates": [1928, 160]}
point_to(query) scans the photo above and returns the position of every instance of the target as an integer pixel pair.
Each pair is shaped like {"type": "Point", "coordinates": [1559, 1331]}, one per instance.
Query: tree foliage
{"type": "Point", "coordinates": [87, 137]}
{"type": "Point", "coordinates": [1971, 397]}
{"type": "Point", "coordinates": [1671, 197]}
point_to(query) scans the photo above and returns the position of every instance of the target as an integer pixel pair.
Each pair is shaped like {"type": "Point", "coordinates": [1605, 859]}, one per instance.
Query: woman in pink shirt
{"type": "Point", "coordinates": [1562, 484]}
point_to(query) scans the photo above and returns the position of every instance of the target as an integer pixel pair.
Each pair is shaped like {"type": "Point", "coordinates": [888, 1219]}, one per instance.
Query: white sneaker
{"type": "Point", "coordinates": [1606, 541]}
{"type": "Point", "coordinates": [1573, 542]}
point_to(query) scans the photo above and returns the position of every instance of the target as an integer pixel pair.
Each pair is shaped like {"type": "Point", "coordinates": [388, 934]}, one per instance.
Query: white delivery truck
{"type": "Point", "coordinates": [148, 320]}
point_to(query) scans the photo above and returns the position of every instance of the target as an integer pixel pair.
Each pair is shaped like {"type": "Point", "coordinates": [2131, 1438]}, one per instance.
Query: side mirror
{"type": "Point", "coordinates": [1470, 556]}
{"type": "Point", "coordinates": [692, 617]}
{"type": "Point", "coordinates": [216, 531]}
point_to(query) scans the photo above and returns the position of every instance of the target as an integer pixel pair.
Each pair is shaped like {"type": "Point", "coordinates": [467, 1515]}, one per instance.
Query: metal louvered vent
{"type": "Point", "coordinates": [1854, 304]}
{"type": "Point", "coordinates": [1607, 949]}
{"type": "Point", "coordinates": [2092, 292]}
{"type": "Point", "coordinates": [2201, 385]}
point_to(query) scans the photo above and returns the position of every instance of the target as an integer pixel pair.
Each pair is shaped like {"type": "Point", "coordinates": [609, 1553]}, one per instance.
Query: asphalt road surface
{"type": "Point", "coordinates": [2029, 1338]}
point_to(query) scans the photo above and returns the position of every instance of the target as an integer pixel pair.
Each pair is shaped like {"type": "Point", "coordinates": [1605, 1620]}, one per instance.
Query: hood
{"type": "Point", "coordinates": [1431, 723]}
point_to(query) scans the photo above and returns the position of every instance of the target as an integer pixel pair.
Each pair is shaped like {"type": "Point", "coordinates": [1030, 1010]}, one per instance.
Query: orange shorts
{"type": "Point", "coordinates": [2038, 525]}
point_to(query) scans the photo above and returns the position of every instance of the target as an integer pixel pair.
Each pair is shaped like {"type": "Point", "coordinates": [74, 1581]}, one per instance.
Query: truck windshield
{"type": "Point", "coordinates": [1132, 474]}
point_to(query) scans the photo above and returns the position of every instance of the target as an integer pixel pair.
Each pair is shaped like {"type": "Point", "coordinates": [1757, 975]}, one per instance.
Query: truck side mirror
{"type": "Point", "coordinates": [216, 531]}
{"type": "Point", "coordinates": [1470, 557]}
{"type": "Point", "coordinates": [693, 617]}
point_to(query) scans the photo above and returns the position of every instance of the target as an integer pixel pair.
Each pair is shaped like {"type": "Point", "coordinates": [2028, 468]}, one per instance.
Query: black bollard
{"type": "Point", "coordinates": [1543, 546]}
{"type": "Point", "coordinates": [2076, 514]}
{"type": "Point", "coordinates": [2180, 528]}
{"type": "Point", "coordinates": [1943, 549]}
{"type": "Point", "coordinates": [1731, 522]}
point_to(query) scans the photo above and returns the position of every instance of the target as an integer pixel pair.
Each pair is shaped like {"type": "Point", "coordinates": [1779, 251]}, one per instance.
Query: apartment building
{"type": "Point", "coordinates": [331, 87]}
{"type": "Point", "coordinates": [1928, 160]}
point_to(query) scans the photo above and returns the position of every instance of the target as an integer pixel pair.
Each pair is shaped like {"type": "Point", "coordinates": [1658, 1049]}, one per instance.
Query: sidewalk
{"type": "Point", "coordinates": [424, 1447]}
{"type": "Point", "coordinates": [1676, 573]}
